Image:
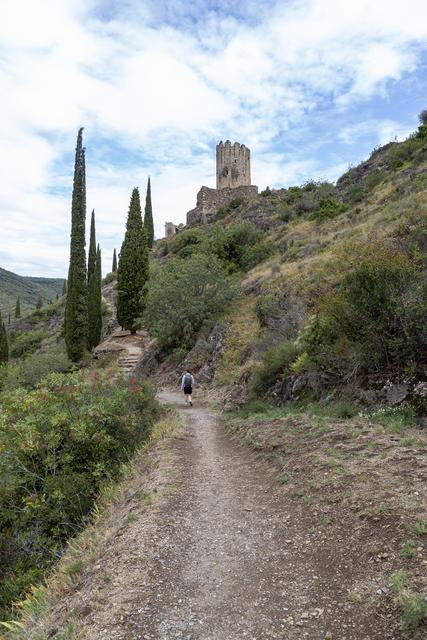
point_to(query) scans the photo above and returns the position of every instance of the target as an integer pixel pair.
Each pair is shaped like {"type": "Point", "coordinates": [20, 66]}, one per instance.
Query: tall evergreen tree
{"type": "Point", "coordinates": [39, 302]}
{"type": "Point", "coordinates": [64, 288]}
{"type": "Point", "coordinates": [148, 216]}
{"type": "Point", "coordinates": [91, 261]}
{"type": "Point", "coordinates": [114, 266]}
{"type": "Point", "coordinates": [94, 292]}
{"type": "Point", "coordinates": [18, 308]}
{"type": "Point", "coordinates": [132, 271]}
{"type": "Point", "coordinates": [76, 303]}
{"type": "Point", "coordinates": [4, 344]}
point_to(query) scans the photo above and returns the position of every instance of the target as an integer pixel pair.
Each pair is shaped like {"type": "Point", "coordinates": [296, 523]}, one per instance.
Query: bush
{"type": "Point", "coordinates": [187, 242]}
{"type": "Point", "coordinates": [28, 372]}
{"type": "Point", "coordinates": [60, 443]}
{"type": "Point", "coordinates": [26, 343]}
{"type": "Point", "coordinates": [275, 362]}
{"type": "Point", "coordinates": [110, 277]}
{"type": "Point", "coordinates": [377, 313]}
{"type": "Point", "coordinates": [328, 208]}
{"type": "Point", "coordinates": [183, 296]}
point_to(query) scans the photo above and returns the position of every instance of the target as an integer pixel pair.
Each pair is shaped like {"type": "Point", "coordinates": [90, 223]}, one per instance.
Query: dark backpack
{"type": "Point", "coordinates": [187, 380]}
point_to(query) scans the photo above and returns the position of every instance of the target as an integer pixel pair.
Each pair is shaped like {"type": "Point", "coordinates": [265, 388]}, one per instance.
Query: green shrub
{"type": "Point", "coordinates": [61, 442]}
{"type": "Point", "coordinates": [29, 371]}
{"type": "Point", "coordinates": [275, 362]}
{"type": "Point", "coordinates": [45, 313]}
{"type": "Point", "coordinates": [376, 314]}
{"type": "Point", "coordinates": [26, 343]}
{"type": "Point", "coordinates": [328, 208]}
{"type": "Point", "coordinates": [256, 253]}
{"type": "Point", "coordinates": [187, 242]}
{"type": "Point", "coordinates": [110, 277]}
{"type": "Point", "coordinates": [184, 295]}
{"type": "Point", "coordinates": [235, 203]}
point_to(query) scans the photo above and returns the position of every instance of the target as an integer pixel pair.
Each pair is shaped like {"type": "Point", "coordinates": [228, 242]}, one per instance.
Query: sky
{"type": "Point", "coordinates": [310, 86]}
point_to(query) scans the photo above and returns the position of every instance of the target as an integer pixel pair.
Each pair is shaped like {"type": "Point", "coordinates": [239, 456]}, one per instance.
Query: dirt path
{"type": "Point", "coordinates": [214, 559]}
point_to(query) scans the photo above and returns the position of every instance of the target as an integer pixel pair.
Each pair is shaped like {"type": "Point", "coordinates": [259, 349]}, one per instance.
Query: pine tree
{"type": "Point", "coordinates": [39, 302]}
{"type": "Point", "coordinates": [18, 308]}
{"type": "Point", "coordinates": [64, 288]}
{"type": "Point", "coordinates": [91, 261]}
{"type": "Point", "coordinates": [132, 271]}
{"type": "Point", "coordinates": [76, 302]}
{"type": "Point", "coordinates": [4, 344]}
{"type": "Point", "coordinates": [148, 216]}
{"type": "Point", "coordinates": [114, 267]}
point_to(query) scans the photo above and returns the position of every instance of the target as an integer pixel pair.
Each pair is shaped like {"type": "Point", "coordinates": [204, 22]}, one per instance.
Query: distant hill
{"type": "Point", "coordinates": [28, 289]}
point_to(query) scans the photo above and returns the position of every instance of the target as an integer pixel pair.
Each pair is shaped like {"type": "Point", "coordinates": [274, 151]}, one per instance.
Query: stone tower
{"type": "Point", "coordinates": [233, 165]}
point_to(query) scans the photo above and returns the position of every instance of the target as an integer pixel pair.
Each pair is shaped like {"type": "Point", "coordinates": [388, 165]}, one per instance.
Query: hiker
{"type": "Point", "coordinates": [187, 383]}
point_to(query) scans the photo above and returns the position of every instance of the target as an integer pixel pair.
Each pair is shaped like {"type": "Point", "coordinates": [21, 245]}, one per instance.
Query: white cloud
{"type": "Point", "coordinates": [166, 80]}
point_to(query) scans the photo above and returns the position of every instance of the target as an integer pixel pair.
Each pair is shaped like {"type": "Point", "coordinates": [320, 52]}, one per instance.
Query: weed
{"type": "Point", "coordinates": [74, 568]}
{"type": "Point", "coordinates": [413, 607]}
{"type": "Point", "coordinates": [409, 549]}
{"type": "Point", "coordinates": [284, 478]}
{"type": "Point", "coordinates": [355, 597]}
{"type": "Point", "coordinates": [420, 528]}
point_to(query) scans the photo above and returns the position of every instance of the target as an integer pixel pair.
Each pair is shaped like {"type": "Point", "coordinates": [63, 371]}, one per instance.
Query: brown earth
{"type": "Point", "coordinates": [224, 552]}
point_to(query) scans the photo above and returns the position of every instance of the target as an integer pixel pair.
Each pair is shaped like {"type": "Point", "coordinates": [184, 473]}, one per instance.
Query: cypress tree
{"type": "Point", "coordinates": [4, 345]}
{"type": "Point", "coordinates": [39, 302]}
{"type": "Point", "coordinates": [76, 302]}
{"type": "Point", "coordinates": [148, 216]}
{"type": "Point", "coordinates": [114, 266]}
{"type": "Point", "coordinates": [132, 271]}
{"type": "Point", "coordinates": [64, 288]}
{"type": "Point", "coordinates": [91, 261]}
{"type": "Point", "coordinates": [18, 308]}
{"type": "Point", "coordinates": [95, 303]}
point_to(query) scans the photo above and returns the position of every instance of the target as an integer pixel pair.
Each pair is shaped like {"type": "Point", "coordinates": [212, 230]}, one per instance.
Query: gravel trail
{"type": "Point", "coordinates": [224, 568]}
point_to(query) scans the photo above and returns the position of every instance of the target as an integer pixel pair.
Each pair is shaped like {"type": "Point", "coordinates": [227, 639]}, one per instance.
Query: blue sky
{"type": "Point", "coordinates": [310, 86]}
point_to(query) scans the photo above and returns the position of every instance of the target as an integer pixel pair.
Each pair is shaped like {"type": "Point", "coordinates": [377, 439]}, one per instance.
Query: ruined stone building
{"type": "Point", "coordinates": [233, 181]}
{"type": "Point", "coordinates": [233, 165]}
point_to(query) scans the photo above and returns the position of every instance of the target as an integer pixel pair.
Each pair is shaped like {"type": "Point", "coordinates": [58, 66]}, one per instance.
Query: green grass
{"type": "Point", "coordinates": [420, 528]}
{"type": "Point", "coordinates": [409, 549]}
{"type": "Point", "coordinates": [413, 607]}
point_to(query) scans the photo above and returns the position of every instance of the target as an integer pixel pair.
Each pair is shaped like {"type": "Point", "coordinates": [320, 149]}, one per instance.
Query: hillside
{"type": "Point", "coordinates": [298, 506]}
{"type": "Point", "coordinates": [27, 289]}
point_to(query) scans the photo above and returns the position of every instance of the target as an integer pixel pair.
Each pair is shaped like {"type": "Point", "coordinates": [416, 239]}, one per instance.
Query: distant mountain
{"type": "Point", "coordinates": [28, 289]}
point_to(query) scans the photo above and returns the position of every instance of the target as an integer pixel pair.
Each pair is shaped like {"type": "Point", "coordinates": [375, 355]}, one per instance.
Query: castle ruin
{"type": "Point", "coordinates": [233, 165]}
{"type": "Point", "coordinates": [233, 182]}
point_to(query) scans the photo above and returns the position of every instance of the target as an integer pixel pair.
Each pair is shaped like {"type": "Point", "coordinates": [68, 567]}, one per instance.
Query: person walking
{"type": "Point", "coordinates": [187, 384]}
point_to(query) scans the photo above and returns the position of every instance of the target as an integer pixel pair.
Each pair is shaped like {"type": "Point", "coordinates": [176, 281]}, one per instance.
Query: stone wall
{"type": "Point", "coordinates": [210, 200]}
{"type": "Point", "coordinates": [171, 229]}
{"type": "Point", "coordinates": [233, 165]}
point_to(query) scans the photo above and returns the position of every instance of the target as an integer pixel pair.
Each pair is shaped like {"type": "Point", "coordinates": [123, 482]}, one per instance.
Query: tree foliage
{"type": "Point", "coordinates": [148, 216]}
{"type": "Point", "coordinates": [76, 322]}
{"type": "Point", "coordinates": [132, 271]}
{"type": "Point", "coordinates": [114, 265]}
{"type": "Point", "coordinates": [95, 304]}
{"type": "Point", "coordinates": [18, 308]}
{"type": "Point", "coordinates": [62, 442]}
{"type": "Point", "coordinates": [4, 343]}
{"type": "Point", "coordinates": [185, 294]}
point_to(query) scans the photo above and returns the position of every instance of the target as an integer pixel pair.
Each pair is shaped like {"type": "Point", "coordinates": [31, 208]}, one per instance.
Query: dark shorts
{"type": "Point", "coordinates": [188, 391]}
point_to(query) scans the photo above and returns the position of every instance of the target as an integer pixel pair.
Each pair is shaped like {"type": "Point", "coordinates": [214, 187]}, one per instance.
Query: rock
{"type": "Point", "coordinates": [396, 393]}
